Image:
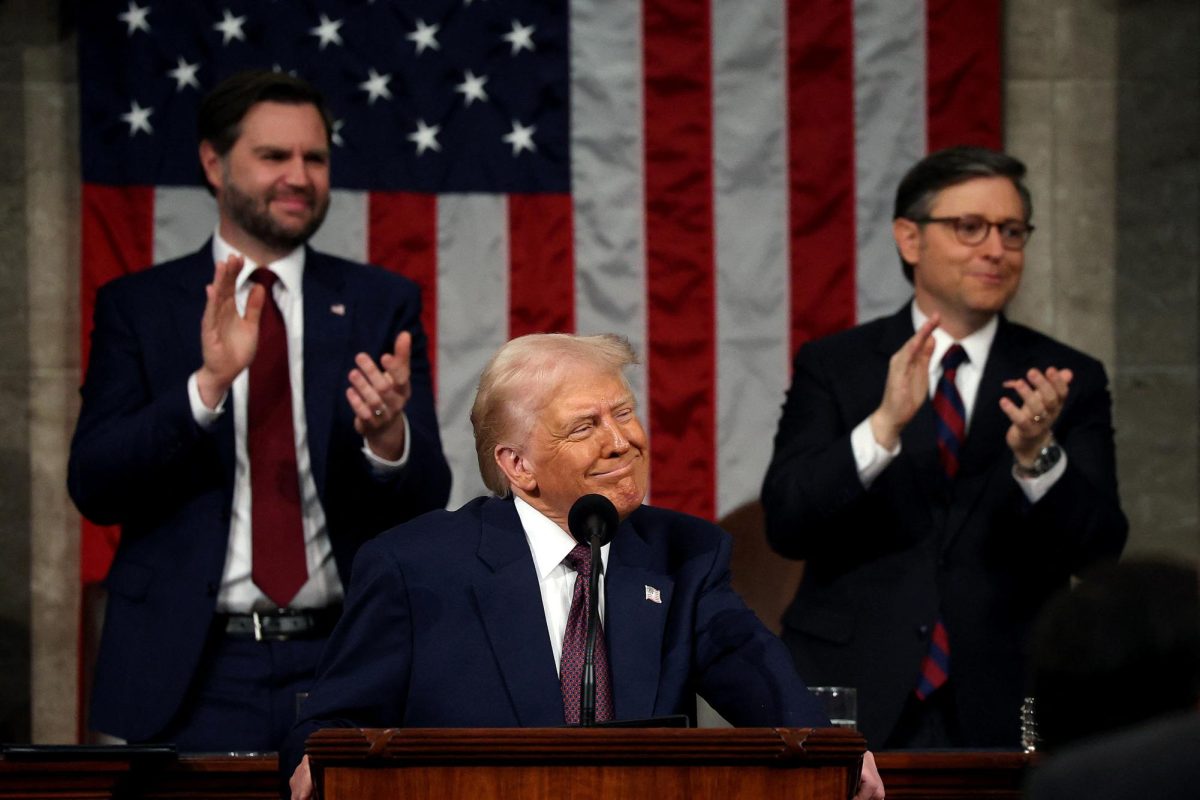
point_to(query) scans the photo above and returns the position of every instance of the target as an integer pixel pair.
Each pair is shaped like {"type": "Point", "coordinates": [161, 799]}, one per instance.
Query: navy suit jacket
{"type": "Point", "coordinates": [444, 627]}
{"type": "Point", "coordinates": [139, 459]}
{"type": "Point", "coordinates": [883, 563]}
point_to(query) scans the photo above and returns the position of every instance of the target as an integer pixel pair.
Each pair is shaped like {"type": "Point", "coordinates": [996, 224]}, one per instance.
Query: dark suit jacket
{"type": "Point", "coordinates": [1157, 759]}
{"type": "Point", "coordinates": [138, 459]}
{"type": "Point", "coordinates": [444, 627]}
{"type": "Point", "coordinates": [881, 564]}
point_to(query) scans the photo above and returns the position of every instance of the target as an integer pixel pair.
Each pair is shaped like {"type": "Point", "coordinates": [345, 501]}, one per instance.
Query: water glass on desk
{"type": "Point", "coordinates": [840, 704]}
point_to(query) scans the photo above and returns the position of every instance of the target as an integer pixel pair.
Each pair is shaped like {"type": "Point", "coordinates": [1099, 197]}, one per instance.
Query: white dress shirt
{"type": "Point", "coordinates": [550, 545]}
{"type": "Point", "coordinates": [872, 458]}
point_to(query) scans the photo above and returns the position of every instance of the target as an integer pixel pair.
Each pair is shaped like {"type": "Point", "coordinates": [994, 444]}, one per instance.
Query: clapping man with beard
{"type": "Point", "coordinates": [251, 414]}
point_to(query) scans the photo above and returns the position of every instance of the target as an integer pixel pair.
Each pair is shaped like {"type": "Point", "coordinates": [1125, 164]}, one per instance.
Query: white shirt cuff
{"type": "Point", "coordinates": [205, 417]}
{"type": "Point", "coordinates": [870, 456]}
{"type": "Point", "coordinates": [1035, 488]}
{"type": "Point", "coordinates": [382, 467]}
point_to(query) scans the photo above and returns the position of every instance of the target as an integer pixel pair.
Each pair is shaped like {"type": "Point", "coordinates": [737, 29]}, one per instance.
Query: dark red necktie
{"type": "Point", "coordinates": [951, 421]}
{"type": "Point", "coordinates": [575, 642]}
{"type": "Point", "coordinates": [279, 567]}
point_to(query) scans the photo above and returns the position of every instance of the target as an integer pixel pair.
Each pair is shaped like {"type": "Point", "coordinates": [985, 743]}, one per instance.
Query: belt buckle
{"type": "Point", "coordinates": [258, 628]}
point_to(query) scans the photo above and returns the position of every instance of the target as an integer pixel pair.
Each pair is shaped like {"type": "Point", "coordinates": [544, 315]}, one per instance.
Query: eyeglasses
{"type": "Point", "coordinates": [972, 229]}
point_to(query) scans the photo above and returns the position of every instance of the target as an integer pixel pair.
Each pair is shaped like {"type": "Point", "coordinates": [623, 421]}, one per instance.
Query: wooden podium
{"type": "Point", "coordinates": [591, 763]}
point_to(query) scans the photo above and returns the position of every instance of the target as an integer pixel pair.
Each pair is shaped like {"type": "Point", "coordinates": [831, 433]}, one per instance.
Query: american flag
{"type": "Point", "coordinates": [710, 178]}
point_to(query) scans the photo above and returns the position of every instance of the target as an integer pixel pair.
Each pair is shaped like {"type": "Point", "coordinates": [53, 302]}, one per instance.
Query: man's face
{"type": "Point", "coordinates": [586, 439]}
{"type": "Point", "coordinates": [966, 284]}
{"type": "Point", "coordinates": [273, 184]}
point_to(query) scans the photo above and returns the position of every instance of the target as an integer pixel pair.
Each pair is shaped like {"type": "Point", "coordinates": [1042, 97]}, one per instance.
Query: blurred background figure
{"type": "Point", "coordinates": [1121, 648]}
{"type": "Point", "coordinates": [1116, 675]}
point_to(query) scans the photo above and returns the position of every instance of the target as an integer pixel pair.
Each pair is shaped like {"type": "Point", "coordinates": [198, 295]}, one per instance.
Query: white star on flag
{"type": "Point", "coordinates": [425, 137]}
{"type": "Point", "coordinates": [425, 36]}
{"type": "Point", "coordinates": [327, 31]}
{"type": "Point", "coordinates": [376, 86]}
{"type": "Point", "coordinates": [520, 37]}
{"type": "Point", "coordinates": [335, 135]}
{"type": "Point", "coordinates": [138, 119]}
{"type": "Point", "coordinates": [135, 18]}
{"type": "Point", "coordinates": [185, 74]}
{"type": "Point", "coordinates": [521, 138]}
{"type": "Point", "coordinates": [472, 88]}
{"type": "Point", "coordinates": [230, 27]}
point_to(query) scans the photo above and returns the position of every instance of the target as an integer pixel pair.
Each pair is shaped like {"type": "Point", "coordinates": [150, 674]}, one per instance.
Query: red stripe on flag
{"type": "Point", "coordinates": [118, 238]}
{"type": "Point", "coordinates": [821, 168]}
{"type": "Point", "coordinates": [402, 237]}
{"type": "Point", "coordinates": [964, 72]}
{"type": "Point", "coordinates": [681, 316]}
{"type": "Point", "coordinates": [541, 281]}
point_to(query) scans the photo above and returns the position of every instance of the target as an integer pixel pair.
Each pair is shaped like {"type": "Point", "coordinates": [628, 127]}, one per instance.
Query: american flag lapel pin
{"type": "Point", "coordinates": [338, 309]}
{"type": "Point", "coordinates": [653, 595]}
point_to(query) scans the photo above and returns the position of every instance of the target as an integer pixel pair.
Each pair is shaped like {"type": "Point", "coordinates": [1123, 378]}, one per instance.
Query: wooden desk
{"type": "Point", "coordinates": [953, 775]}
{"type": "Point", "coordinates": [586, 763]}
{"type": "Point", "coordinates": [907, 776]}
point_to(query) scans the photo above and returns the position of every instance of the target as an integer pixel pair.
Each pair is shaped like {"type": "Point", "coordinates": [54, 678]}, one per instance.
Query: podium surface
{"type": "Point", "coordinates": [586, 763]}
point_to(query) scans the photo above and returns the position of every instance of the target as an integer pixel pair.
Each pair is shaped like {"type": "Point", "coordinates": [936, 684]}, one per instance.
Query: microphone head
{"type": "Point", "coordinates": [593, 514]}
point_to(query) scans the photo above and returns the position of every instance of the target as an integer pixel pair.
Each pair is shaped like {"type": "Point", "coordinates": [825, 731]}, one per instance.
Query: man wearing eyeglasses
{"type": "Point", "coordinates": [942, 471]}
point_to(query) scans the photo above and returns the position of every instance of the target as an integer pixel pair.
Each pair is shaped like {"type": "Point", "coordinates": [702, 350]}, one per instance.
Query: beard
{"type": "Point", "coordinates": [253, 215]}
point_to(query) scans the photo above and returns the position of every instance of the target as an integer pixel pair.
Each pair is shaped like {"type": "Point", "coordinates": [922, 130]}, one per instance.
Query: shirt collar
{"type": "Point", "coordinates": [549, 543]}
{"type": "Point", "coordinates": [290, 268]}
{"type": "Point", "coordinates": [977, 344]}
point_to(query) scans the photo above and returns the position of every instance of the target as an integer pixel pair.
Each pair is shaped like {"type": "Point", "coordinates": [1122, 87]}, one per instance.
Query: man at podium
{"type": "Point", "coordinates": [477, 617]}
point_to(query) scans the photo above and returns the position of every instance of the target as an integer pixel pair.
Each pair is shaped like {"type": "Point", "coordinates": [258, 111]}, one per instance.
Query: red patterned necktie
{"type": "Point", "coordinates": [279, 566]}
{"type": "Point", "coordinates": [949, 412]}
{"type": "Point", "coordinates": [951, 422]}
{"type": "Point", "coordinates": [575, 641]}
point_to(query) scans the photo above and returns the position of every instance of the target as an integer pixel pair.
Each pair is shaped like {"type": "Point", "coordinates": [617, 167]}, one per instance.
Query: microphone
{"type": "Point", "coordinates": [593, 520]}
{"type": "Point", "coordinates": [593, 515]}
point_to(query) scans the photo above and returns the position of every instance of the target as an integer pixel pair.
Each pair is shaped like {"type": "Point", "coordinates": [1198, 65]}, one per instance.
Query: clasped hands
{"type": "Point", "coordinates": [377, 394]}
{"type": "Point", "coordinates": [1042, 395]}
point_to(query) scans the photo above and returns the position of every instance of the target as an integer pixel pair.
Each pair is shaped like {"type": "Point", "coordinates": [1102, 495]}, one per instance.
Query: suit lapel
{"type": "Point", "coordinates": [510, 606]}
{"type": "Point", "coordinates": [634, 624]}
{"type": "Point", "coordinates": [326, 337]}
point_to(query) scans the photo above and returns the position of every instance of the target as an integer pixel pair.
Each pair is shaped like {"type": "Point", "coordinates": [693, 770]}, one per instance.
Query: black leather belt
{"type": "Point", "coordinates": [282, 624]}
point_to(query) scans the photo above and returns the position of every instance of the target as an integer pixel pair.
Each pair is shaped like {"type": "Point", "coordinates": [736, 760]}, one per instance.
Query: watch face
{"type": "Point", "coordinates": [1044, 462]}
{"type": "Point", "coordinates": [1047, 459]}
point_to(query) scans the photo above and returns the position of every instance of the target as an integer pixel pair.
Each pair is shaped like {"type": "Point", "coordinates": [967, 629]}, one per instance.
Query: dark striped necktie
{"type": "Point", "coordinates": [950, 414]}
{"type": "Point", "coordinates": [951, 422]}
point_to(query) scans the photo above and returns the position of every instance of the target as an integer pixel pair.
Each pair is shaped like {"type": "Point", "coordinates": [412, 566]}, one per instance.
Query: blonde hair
{"type": "Point", "coordinates": [518, 381]}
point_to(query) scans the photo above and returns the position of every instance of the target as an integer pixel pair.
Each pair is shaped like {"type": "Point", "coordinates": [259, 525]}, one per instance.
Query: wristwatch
{"type": "Point", "coordinates": [1045, 461]}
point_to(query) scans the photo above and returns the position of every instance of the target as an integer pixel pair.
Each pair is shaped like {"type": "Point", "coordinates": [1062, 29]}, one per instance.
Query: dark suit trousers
{"type": "Point", "coordinates": [246, 695]}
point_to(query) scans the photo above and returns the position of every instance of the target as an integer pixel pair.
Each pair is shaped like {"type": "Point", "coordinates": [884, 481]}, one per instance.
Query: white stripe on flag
{"type": "Point", "coordinates": [472, 314]}
{"type": "Point", "coordinates": [344, 232]}
{"type": "Point", "coordinates": [607, 186]}
{"type": "Point", "coordinates": [751, 210]}
{"type": "Point", "coordinates": [184, 217]}
{"type": "Point", "coordinates": [889, 113]}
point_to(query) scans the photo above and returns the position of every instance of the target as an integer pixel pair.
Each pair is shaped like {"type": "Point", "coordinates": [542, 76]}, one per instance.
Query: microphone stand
{"type": "Point", "coordinates": [587, 692]}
